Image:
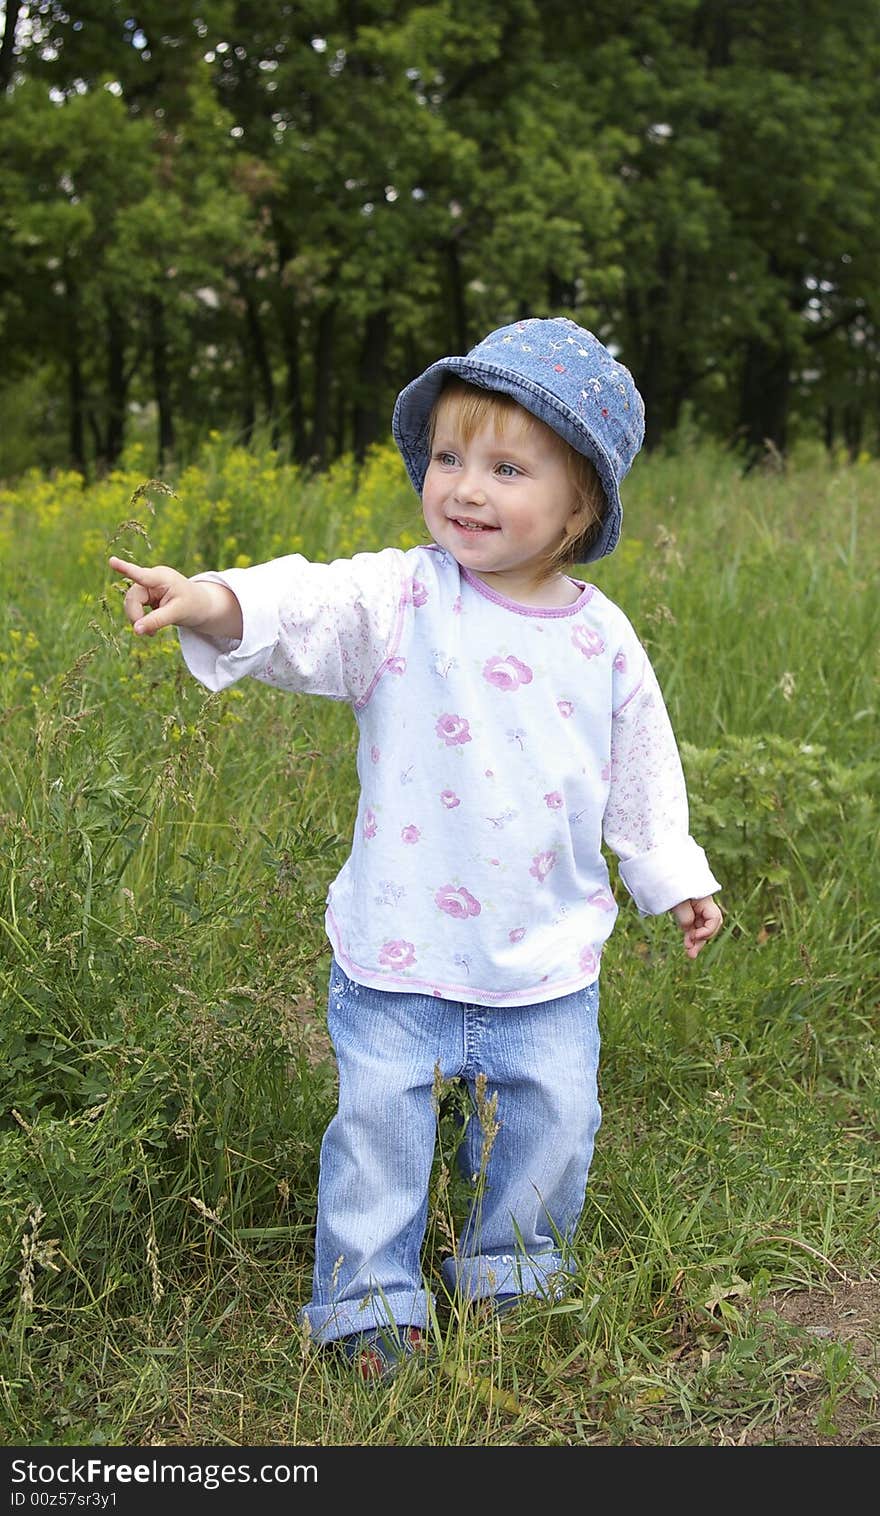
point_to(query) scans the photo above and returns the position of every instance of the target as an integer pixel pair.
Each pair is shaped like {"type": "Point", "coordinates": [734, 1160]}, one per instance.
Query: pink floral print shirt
{"type": "Point", "coordinates": [500, 746]}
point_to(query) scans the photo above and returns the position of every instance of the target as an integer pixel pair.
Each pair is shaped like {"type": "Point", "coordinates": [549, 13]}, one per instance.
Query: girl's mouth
{"type": "Point", "coordinates": [471, 526]}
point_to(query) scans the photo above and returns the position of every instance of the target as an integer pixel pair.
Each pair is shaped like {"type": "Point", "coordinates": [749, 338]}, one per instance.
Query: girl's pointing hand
{"type": "Point", "coordinates": [161, 596]}
{"type": "Point", "coordinates": [160, 591]}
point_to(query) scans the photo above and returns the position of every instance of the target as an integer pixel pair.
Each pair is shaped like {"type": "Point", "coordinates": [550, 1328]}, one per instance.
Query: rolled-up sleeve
{"type": "Point", "coordinates": [646, 821]}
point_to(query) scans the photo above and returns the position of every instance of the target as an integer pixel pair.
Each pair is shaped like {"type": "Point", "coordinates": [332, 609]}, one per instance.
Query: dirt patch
{"type": "Point", "coordinates": [848, 1312]}
{"type": "Point", "coordinates": [833, 1396]}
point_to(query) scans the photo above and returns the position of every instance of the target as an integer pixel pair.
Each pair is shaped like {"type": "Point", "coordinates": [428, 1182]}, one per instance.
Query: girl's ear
{"type": "Point", "coordinates": [575, 523]}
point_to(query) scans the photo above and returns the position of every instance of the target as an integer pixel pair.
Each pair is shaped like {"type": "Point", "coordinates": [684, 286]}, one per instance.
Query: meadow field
{"type": "Point", "coordinates": [165, 1068]}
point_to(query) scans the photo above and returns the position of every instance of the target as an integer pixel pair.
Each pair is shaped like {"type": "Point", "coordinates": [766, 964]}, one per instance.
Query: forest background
{"type": "Point", "coordinates": [266, 217]}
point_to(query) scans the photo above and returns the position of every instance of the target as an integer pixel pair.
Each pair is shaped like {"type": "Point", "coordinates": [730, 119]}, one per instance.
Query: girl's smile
{"type": "Point", "coordinates": [466, 524]}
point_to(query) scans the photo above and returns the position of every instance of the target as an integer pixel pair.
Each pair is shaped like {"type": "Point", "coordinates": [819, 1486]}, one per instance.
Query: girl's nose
{"type": "Point", "coordinates": [470, 488]}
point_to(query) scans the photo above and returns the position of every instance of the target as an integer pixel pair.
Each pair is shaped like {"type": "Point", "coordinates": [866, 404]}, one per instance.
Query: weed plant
{"type": "Point", "coordinates": [166, 1073]}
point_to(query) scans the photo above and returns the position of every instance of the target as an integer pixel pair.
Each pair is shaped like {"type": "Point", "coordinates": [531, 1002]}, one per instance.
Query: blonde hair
{"type": "Point", "coordinates": [474, 408]}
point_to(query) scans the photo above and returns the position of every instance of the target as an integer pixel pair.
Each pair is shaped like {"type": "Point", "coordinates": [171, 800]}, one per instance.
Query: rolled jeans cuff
{"type": "Point", "coordinates": [326, 1323]}
{"type": "Point", "coordinates": [507, 1274]}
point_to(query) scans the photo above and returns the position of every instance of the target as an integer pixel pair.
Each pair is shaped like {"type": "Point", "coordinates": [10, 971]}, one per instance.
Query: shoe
{"type": "Point", "coordinates": [380, 1353]}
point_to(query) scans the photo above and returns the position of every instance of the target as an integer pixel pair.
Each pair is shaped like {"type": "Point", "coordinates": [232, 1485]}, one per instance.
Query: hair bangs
{"type": "Point", "coordinates": [469, 408]}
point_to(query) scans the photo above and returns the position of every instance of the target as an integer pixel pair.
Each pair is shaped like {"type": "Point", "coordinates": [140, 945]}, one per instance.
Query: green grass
{"type": "Point", "coordinates": [165, 855]}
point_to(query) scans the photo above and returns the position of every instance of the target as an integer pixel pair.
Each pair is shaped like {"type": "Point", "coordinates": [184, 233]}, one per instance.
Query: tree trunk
{"type": "Point", "coordinates": [828, 428]}
{"type": "Point", "coordinates": [654, 319]}
{"type": "Point", "coordinates": [340, 440]}
{"type": "Point", "coordinates": [853, 429]}
{"type": "Point", "coordinates": [161, 378]}
{"type": "Point", "coordinates": [764, 397]}
{"type": "Point", "coordinates": [248, 409]}
{"type": "Point", "coordinates": [117, 384]}
{"type": "Point", "coordinates": [370, 387]}
{"type": "Point", "coordinates": [288, 325]}
{"type": "Point", "coordinates": [712, 31]}
{"type": "Point", "coordinates": [75, 385]}
{"type": "Point", "coordinates": [457, 299]}
{"type": "Point", "coordinates": [651, 376]}
{"type": "Point", "coordinates": [7, 45]}
{"type": "Point", "coordinates": [293, 407]}
{"type": "Point", "coordinates": [97, 439]}
{"type": "Point", "coordinates": [261, 363]}
{"type": "Point", "coordinates": [322, 390]}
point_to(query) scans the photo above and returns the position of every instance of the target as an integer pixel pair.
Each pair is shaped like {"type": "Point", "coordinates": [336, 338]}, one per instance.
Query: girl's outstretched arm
{"type": "Point", "coordinates": [161, 596]}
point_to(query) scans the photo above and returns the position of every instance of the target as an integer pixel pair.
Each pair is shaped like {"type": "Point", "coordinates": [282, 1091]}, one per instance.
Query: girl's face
{"type": "Point", "coordinates": [501, 502]}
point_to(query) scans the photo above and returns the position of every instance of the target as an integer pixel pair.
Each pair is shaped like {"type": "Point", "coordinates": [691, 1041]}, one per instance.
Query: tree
{"type": "Point", "coordinates": [116, 217]}
{"type": "Point", "coordinates": [273, 215]}
{"type": "Point", "coordinates": [750, 180]}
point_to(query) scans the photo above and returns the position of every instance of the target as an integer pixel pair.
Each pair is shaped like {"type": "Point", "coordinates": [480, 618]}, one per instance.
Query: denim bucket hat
{"type": "Point", "coordinates": [562, 374]}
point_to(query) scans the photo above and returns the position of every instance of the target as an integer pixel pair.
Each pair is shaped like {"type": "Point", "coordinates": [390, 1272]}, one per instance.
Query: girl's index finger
{"type": "Point", "coordinates": [132, 571]}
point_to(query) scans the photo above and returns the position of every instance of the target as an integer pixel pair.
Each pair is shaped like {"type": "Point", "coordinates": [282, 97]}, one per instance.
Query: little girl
{"type": "Point", "coordinates": [509, 722]}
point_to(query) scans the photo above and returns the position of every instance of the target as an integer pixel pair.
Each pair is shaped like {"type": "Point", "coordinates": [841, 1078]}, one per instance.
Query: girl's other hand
{"type": "Point", "coordinates": [700, 920]}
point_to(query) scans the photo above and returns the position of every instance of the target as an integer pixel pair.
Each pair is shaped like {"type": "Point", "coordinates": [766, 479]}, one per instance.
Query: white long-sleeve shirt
{"type": "Point", "coordinates": [499, 745]}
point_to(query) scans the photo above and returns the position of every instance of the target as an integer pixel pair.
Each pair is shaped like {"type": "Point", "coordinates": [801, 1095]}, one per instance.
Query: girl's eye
{"type": "Point", "coordinates": [508, 470]}
{"type": "Point", "coordinates": [447, 459]}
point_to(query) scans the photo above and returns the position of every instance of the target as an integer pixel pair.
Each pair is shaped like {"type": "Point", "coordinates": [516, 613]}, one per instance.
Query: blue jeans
{"type": "Point", "coordinates": [377, 1152]}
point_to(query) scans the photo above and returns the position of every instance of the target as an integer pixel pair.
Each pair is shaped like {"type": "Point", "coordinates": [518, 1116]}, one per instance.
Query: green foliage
{"type": "Point", "coordinates": [164, 1065]}
{"type": "Point", "coordinates": [777, 813]}
{"type": "Point", "coordinates": [267, 218]}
